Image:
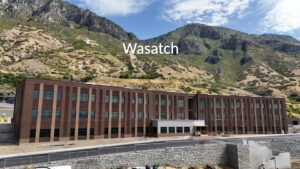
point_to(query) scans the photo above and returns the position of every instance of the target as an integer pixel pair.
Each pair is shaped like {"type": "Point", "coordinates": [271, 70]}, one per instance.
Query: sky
{"type": "Point", "coordinates": [151, 18]}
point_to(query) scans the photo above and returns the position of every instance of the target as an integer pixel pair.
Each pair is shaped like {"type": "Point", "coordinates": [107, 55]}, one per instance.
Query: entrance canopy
{"type": "Point", "coordinates": [176, 126]}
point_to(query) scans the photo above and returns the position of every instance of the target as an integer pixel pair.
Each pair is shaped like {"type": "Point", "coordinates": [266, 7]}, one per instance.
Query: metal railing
{"type": "Point", "coordinates": [28, 160]}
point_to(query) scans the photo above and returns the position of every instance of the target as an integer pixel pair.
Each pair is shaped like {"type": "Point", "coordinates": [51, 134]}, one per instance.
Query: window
{"type": "Point", "coordinates": [36, 94]}
{"type": "Point", "coordinates": [74, 96]}
{"type": "Point", "coordinates": [140, 130]}
{"type": "Point", "coordinates": [32, 133]}
{"type": "Point", "coordinates": [73, 114]}
{"type": "Point", "coordinates": [156, 115]}
{"type": "Point", "coordinates": [218, 104]}
{"type": "Point", "coordinates": [202, 105]}
{"type": "Point", "coordinates": [170, 115]}
{"type": "Point", "coordinates": [72, 132]}
{"type": "Point", "coordinates": [132, 115]}
{"type": "Point", "coordinates": [275, 106]}
{"type": "Point", "coordinates": [56, 132]}
{"type": "Point", "coordinates": [171, 129]}
{"type": "Point", "coordinates": [169, 101]}
{"type": "Point", "coordinates": [93, 98]}
{"type": "Point", "coordinates": [115, 115]}
{"type": "Point", "coordinates": [82, 132]}
{"type": "Point", "coordinates": [59, 95]}
{"type": "Point", "coordinates": [238, 105]}
{"type": "Point", "coordinates": [123, 99]}
{"type": "Point", "coordinates": [219, 116]}
{"type": "Point", "coordinates": [140, 115]}
{"type": "Point", "coordinates": [58, 114]}
{"type": "Point", "coordinates": [140, 100]}
{"type": "Point", "coordinates": [257, 105]}
{"type": "Point", "coordinates": [34, 113]}
{"type": "Point", "coordinates": [202, 116]}
{"type": "Point", "coordinates": [181, 103]}
{"type": "Point", "coordinates": [163, 130]}
{"type": "Point", "coordinates": [92, 114]}
{"type": "Point", "coordinates": [163, 115]}
{"type": "Point", "coordinates": [45, 133]}
{"type": "Point", "coordinates": [83, 114]}
{"type": "Point", "coordinates": [181, 116]}
{"type": "Point", "coordinates": [132, 100]}
{"type": "Point", "coordinates": [187, 129]}
{"type": "Point", "coordinates": [163, 102]}
{"type": "Point", "coordinates": [92, 131]}
{"type": "Point", "coordinates": [106, 99]}
{"type": "Point", "coordinates": [122, 115]}
{"type": "Point", "coordinates": [84, 97]}
{"type": "Point", "coordinates": [106, 115]}
{"type": "Point", "coordinates": [46, 113]}
{"type": "Point", "coordinates": [147, 115]}
{"type": "Point", "coordinates": [48, 95]}
{"type": "Point", "coordinates": [114, 130]}
{"type": "Point", "coordinates": [179, 129]}
{"type": "Point", "coordinates": [115, 99]}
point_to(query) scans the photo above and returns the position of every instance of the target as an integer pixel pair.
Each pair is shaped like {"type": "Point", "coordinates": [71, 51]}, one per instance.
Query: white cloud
{"type": "Point", "coordinates": [283, 16]}
{"type": "Point", "coordinates": [210, 12]}
{"type": "Point", "coordinates": [115, 7]}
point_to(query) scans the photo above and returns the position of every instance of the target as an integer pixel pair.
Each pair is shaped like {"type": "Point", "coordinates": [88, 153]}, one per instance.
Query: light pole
{"type": "Point", "coordinates": [274, 158]}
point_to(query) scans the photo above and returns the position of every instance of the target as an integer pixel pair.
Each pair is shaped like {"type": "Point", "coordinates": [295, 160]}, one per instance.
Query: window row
{"type": "Point", "coordinates": [202, 105]}
{"type": "Point", "coordinates": [165, 130]}
{"type": "Point", "coordinates": [47, 94]}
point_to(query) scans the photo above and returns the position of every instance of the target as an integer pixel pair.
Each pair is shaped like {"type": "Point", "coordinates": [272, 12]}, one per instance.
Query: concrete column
{"type": "Point", "coordinates": [255, 117]}
{"type": "Point", "coordinates": [110, 113]}
{"type": "Point", "coordinates": [215, 115]}
{"type": "Point", "coordinates": [39, 115]}
{"type": "Point", "coordinates": [145, 114]}
{"type": "Point", "coordinates": [120, 115]}
{"type": "Point", "coordinates": [77, 113]}
{"type": "Point", "coordinates": [242, 111]}
{"type": "Point", "coordinates": [235, 116]}
{"type": "Point", "coordinates": [53, 117]}
{"type": "Point", "coordinates": [136, 116]}
{"type": "Point", "coordinates": [88, 128]}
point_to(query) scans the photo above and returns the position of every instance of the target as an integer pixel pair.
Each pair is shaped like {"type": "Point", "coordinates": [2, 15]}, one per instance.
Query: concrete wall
{"type": "Point", "coordinates": [236, 156]}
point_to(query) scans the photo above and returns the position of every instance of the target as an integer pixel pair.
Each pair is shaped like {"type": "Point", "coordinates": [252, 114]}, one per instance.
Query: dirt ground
{"type": "Point", "coordinates": [296, 164]}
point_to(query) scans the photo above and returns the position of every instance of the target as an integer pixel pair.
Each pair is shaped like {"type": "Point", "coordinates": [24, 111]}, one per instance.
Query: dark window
{"type": "Point", "coordinates": [32, 133]}
{"type": "Point", "coordinates": [74, 96]}
{"type": "Point", "coordinates": [56, 133]}
{"type": "Point", "coordinates": [163, 130]}
{"type": "Point", "coordinates": [106, 131]}
{"type": "Point", "coordinates": [132, 130]}
{"type": "Point", "coordinates": [154, 129]}
{"type": "Point", "coordinates": [106, 115]}
{"type": "Point", "coordinates": [132, 115]}
{"type": "Point", "coordinates": [72, 132]}
{"type": "Point", "coordinates": [114, 130]}
{"type": "Point", "coordinates": [59, 95]}
{"type": "Point", "coordinates": [73, 114]}
{"type": "Point", "coordinates": [147, 115]}
{"type": "Point", "coordinates": [83, 114]}
{"type": "Point", "coordinates": [171, 129]}
{"type": "Point", "coordinates": [140, 130]}
{"type": "Point", "coordinates": [48, 95]}
{"type": "Point", "coordinates": [58, 113]}
{"type": "Point", "coordinates": [179, 129]}
{"type": "Point", "coordinates": [123, 99]}
{"type": "Point", "coordinates": [202, 116]}
{"type": "Point", "coordinates": [170, 115]}
{"type": "Point", "coordinates": [82, 132]}
{"type": "Point", "coordinates": [45, 133]}
{"type": "Point", "coordinates": [46, 113]}
{"type": "Point", "coordinates": [163, 115]}
{"type": "Point", "coordinates": [187, 130]}
{"type": "Point", "coordinates": [84, 97]}
{"type": "Point", "coordinates": [163, 102]}
{"type": "Point", "coordinates": [34, 113]}
{"type": "Point", "coordinates": [156, 115]}
{"type": "Point", "coordinates": [122, 115]}
{"type": "Point", "coordinates": [92, 131]}
{"type": "Point", "coordinates": [92, 114]}
{"type": "Point", "coordinates": [36, 94]}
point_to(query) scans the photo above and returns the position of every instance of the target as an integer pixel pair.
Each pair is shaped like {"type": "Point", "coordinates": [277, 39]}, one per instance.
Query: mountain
{"type": "Point", "coordinates": [56, 40]}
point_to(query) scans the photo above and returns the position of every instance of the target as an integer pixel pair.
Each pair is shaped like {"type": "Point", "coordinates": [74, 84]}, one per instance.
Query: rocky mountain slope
{"type": "Point", "coordinates": [56, 40]}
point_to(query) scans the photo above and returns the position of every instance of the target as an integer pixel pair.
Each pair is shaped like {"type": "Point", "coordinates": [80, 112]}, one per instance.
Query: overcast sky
{"type": "Point", "coordinates": [150, 18]}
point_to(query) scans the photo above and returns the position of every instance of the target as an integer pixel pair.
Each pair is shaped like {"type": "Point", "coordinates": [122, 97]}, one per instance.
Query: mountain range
{"type": "Point", "coordinates": [54, 39]}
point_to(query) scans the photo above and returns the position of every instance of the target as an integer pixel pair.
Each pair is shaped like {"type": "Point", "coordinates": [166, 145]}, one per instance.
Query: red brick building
{"type": "Point", "coordinates": [48, 110]}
